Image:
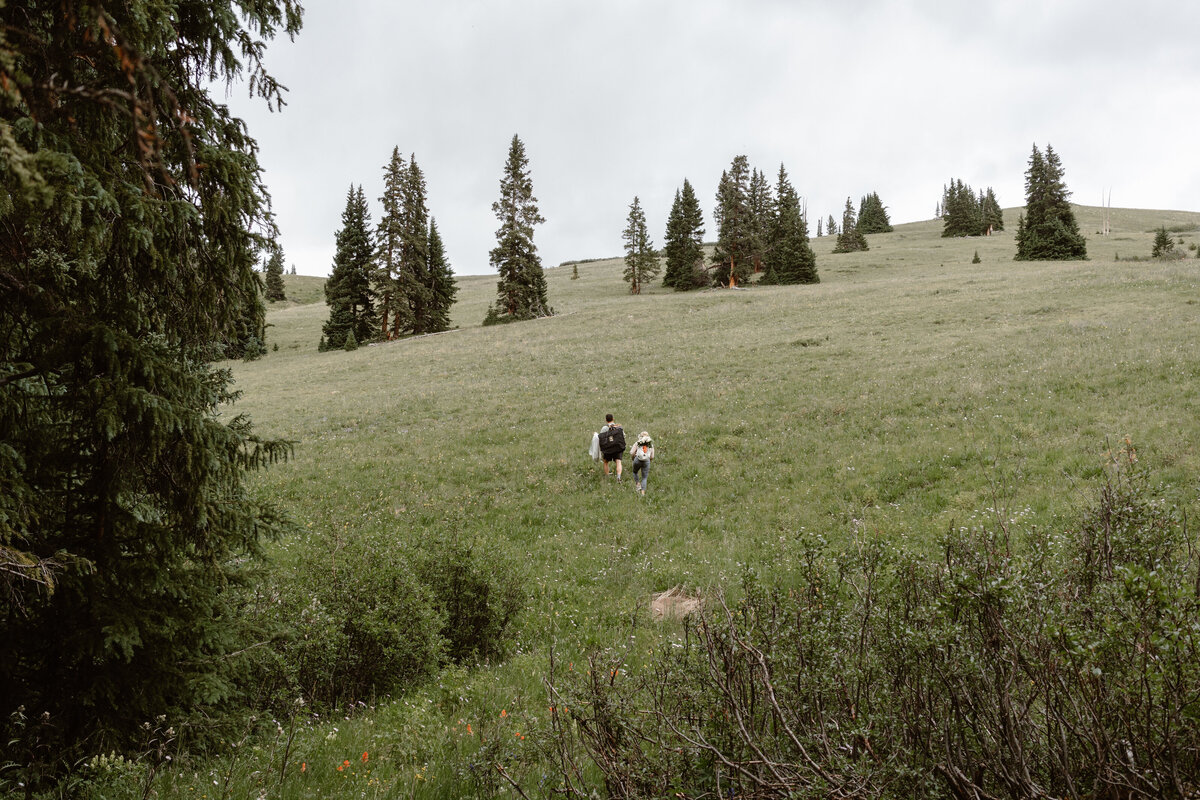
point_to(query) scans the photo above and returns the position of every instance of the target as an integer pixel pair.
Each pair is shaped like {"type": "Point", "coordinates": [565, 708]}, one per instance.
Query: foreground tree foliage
{"type": "Point", "coordinates": [133, 217]}
{"type": "Point", "coordinates": [1009, 666]}
{"type": "Point", "coordinates": [521, 290]}
{"type": "Point", "coordinates": [1047, 231]}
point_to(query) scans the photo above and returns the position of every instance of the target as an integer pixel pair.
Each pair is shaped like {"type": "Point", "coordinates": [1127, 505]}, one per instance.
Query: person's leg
{"type": "Point", "coordinates": [645, 475]}
{"type": "Point", "coordinates": [605, 461]}
{"type": "Point", "coordinates": [618, 468]}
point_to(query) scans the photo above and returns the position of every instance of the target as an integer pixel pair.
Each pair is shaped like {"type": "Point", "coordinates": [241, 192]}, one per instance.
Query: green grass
{"type": "Point", "coordinates": [907, 393]}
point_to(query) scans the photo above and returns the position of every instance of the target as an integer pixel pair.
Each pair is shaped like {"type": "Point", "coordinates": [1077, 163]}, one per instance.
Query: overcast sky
{"type": "Point", "coordinates": [624, 97]}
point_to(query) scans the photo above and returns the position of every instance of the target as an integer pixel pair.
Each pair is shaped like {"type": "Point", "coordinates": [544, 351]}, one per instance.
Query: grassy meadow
{"type": "Point", "coordinates": [908, 393]}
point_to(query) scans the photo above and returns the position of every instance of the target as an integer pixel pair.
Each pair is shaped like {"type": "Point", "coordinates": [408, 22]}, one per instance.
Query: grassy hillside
{"type": "Point", "coordinates": [908, 393]}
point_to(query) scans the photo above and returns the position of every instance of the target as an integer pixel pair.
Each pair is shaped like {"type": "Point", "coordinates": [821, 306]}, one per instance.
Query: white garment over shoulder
{"type": "Point", "coordinates": [594, 450]}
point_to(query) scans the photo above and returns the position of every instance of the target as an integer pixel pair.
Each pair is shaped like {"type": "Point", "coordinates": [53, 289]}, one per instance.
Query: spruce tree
{"type": "Point", "coordinates": [1047, 230]}
{"type": "Point", "coordinates": [761, 206]}
{"type": "Point", "coordinates": [133, 219]}
{"type": "Point", "coordinates": [683, 247]}
{"type": "Point", "coordinates": [348, 288]}
{"type": "Point", "coordinates": [819, 232]}
{"type": "Point", "coordinates": [732, 257]}
{"type": "Point", "coordinates": [790, 258]}
{"type": "Point", "coordinates": [414, 282]}
{"type": "Point", "coordinates": [850, 239]}
{"type": "Point", "coordinates": [831, 228]}
{"type": "Point", "coordinates": [991, 213]}
{"type": "Point", "coordinates": [961, 211]}
{"type": "Point", "coordinates": [872, 215]}
{"type": "Point", "coordinates": [521, 290]}
{"type": "Point", "coordinates": [389, 282]}
{"type": "Point", "coordinates": [443, 288]}
{"type": "Point", "coordinates": [641, 259]}
{"type": "Point", "coordinates": [1164, 245]}
{"type": "Point", "coordinates": [274, 276]}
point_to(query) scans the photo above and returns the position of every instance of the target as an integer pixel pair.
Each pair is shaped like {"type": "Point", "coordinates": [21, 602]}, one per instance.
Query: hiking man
{"type": "Point", "coordinates": [612, 443]}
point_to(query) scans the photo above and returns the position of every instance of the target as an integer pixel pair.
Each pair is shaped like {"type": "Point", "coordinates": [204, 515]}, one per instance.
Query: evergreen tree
{"type": "Point", "coordinates": [521, 290]}
{"type": "Point", "coordinates": [991, 213]}
{"type": "Point", "coordinates": [961, 211]}
{"type": "Point", "coordinates": [732, 256]}
{"type": "Point", "coordinates": [790, 258]}
{"type": "Point", "coordinates": [761, 206]}
{"type": "Point", "coordinates": [442, 285]}
{"type": "Point", "coordinates": [850, 240]}
{"type": "Point", "coordinates": [348, 288]}
{"type": "Point", "coordinates": [872, 215]}
{"type": "Point", "coordinates": [131, 231]}
{"type": "Point", "coordinates": [391, 285]}
{"type": "Point", "coordinates": [274, 276]}
{"type": "Point", "coordinates": [641, 260]}
{"type": "Point", "coordinates": [831, 228]}
{"type": "Point", "coordinates": [415, 282]}
{"type": "Point", "coordinates": [819, 233]}
{"type": "Point", "coordinates": [684, 245]}
{"type": "Point", "coordinates": [1164, 245]}
{"type": "Point", "coordinates": [1047, 230]}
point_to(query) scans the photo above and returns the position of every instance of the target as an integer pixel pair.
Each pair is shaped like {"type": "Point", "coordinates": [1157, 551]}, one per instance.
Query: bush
{"type": "Point", "coordinates": [1058, 665]}
{"type": "Point", "coordinates": [351, 624]}
{"type": "Point", "coordinates": [478, 597]}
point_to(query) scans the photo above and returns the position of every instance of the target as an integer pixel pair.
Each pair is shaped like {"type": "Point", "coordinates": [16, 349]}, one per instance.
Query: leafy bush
{"type": "Point", "coordinates": [477, 597]}
{"type": "Point", "coordinates": [1062, 665]}
{"type": "Point", "coordinates": [351, 625]}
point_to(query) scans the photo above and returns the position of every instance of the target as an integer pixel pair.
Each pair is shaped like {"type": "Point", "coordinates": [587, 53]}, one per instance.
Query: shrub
{"type": "Point", "coordinates": [1041, 665]}
{"type": "Point", "coordinates": [352, 623]}
{"type": "Point", "coordinates": [478, 597]}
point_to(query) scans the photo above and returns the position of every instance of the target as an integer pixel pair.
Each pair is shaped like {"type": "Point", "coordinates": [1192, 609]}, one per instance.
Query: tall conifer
{"type": "Point", "coordinates": [1047, 230]}
{"type": "Point", "coordinates": [790, 258]}
{"type": "Point", "coordinates": [521, 290]}
{"type": "Point", "coordinates": [274, 276]}
{"type": "Point", "coordinates": [442, 285]}
{"type": "Point", "coordinates": [348, 288]}
{"type": "Point", "coordinates": [732, 257]}
{"type": "Point", "coordinates": [683, 248]}
{"type": "Point", "coordinates": [850, 239]}
{"type": "Point", "coordinates": [872, 215]}
{"type": "Point", "coordinates": [641, 260]}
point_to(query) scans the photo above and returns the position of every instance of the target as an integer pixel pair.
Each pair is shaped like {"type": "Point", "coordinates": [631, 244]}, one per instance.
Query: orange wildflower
{"type": "Point", "coordinates": [304, 766]}
{"type": "Point", "coordinates": [341, 767]}
{"type": "Point", "coordinates": [503, 713]}
{"type": "Point", "coordinates": [364, 757]}
{"type": "Point", "coordinates": [469, 729]}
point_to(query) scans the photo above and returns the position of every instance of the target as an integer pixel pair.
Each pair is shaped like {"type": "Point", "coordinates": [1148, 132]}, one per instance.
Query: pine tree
{"type": "Point", "coordinates": [831, 228]}
{"type": "Point", "coordinates": [348, 288]}
{"type": "Point", "coordinates": [1164, 245]}
{"type": "Point", "coordinates": [961, 211]}
{"type": "Point", "coordinates": [131, 232]}
{"type": "Point", "coordinates": [274, 276]}
{"type": "Point", "coordinates": [872, 215]}
{"type": "Point", "coordinates": [389, 282]}
{"type": "Point", "coordinates": [790, 258]}
{"type": "Point", "coordinates": [521, 290]}
{"type": "Point", "coordinates": [991, 213]}
{"type": "Point", "coordinates": [732, 256]}
{"type": "Point", "coordinates": [442, 285]}
{"type": "Point", "coordinates": [414, 281]}
{"type": "Point", "coordinates": [761, 206]}
{"type": "Point", "coordinates": [683, 247]}
{"type": "Point", "coordinates": [819, 233]}
{"type": "Point", "coordinates": [641, 259]}
{"type": "Point", "coordinates": [1047, 230]}
{"type": "Point", "coordinates": [850, 240]}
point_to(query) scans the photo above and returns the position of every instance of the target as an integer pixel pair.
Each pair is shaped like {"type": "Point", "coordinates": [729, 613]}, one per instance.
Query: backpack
{"type": "Point", "coordinates": [642, 455]}
{"type": "Point", "coordinates": [612, 440]}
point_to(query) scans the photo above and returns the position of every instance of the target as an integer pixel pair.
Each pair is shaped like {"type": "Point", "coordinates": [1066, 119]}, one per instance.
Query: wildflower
{"type": "Point", "coordinates": [364, 756]}
{"type": "Point", "coordinates": [341, 767]}
{"type": "Point", "coordinates": [469, 729]}
{"type": "Point", "coordinates": [503, 713]}
{"type": "Point", "coordinates": [304, 766]}
{"type": "Point", "coordinates": [346, 763]}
